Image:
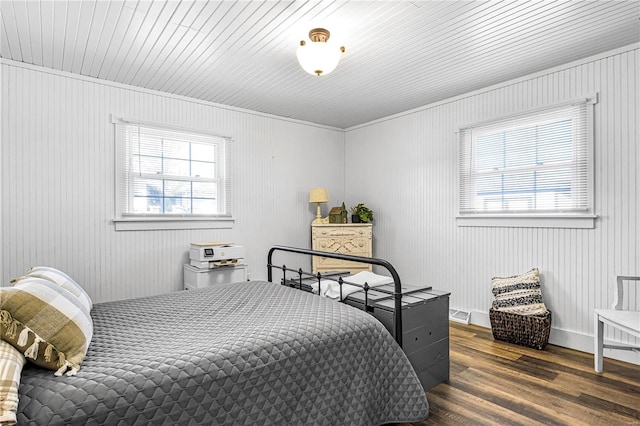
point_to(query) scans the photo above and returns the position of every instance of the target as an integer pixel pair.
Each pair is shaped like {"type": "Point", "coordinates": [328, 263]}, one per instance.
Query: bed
{"type": "Point", "coordinates": [252, 352]}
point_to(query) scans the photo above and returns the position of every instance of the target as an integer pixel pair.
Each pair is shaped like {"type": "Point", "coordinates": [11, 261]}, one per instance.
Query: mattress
{"type": "Point", "coordinates": [242, 353]}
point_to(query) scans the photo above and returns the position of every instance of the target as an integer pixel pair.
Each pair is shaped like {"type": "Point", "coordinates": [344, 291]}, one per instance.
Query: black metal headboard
{"type": "Point", "coordinates": [397, 293]}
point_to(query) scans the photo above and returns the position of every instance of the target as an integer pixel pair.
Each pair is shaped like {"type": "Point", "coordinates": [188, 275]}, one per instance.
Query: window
{"type": "Point", "coordinates": [167, 175]}
{"type": "Point", "coordinates": [538, 164]}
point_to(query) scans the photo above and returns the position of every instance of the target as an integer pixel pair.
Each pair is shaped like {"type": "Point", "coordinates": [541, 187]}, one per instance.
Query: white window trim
{"type": "Point", "coordinates": [154, 223]}
{"type": "Point", "coordinates": [528, 221]}
{"type": "Point", "coordinates": [579, 220]}
{"type": "Point", "coordinates": [124, 222]}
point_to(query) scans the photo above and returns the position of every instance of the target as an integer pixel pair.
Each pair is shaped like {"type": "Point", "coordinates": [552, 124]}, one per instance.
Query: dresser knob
{"type": "Point", "coordinates": [323, 245]}
{"type": "Point", "coordinates": [361, 245]}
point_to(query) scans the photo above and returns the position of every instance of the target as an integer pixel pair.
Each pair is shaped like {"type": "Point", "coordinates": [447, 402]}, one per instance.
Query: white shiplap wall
{"type": "Point", "coordinates": [57, 169]}
{"type": "Point", "coordinates": [56, 166]}
{"type": "Point", "coordinates": [405, 167]}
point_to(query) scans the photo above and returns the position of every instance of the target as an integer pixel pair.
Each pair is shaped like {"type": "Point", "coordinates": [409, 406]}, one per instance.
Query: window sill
{"type": "Point", "coordinates": [162, 223]}
{"type": "Point", "coordinates": [528, 221]}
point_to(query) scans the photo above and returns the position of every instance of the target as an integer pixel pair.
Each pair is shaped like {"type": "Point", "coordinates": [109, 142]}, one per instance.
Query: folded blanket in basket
{"type": "Point", "coordinates": [331, 289]}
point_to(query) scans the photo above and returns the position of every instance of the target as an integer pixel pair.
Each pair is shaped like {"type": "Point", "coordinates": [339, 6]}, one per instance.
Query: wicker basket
{"type": "Point", "coordinates": [525, 330]}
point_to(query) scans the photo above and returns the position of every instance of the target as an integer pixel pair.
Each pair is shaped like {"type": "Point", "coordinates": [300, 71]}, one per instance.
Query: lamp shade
{"type": "Point", "coordinates": [318, 195]}
{"type": "Point", "coordinates": [319, 57]}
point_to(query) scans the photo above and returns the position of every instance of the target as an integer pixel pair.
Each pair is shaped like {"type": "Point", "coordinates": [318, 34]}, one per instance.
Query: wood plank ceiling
{"type": "Point", "coordinates": [399, 54]}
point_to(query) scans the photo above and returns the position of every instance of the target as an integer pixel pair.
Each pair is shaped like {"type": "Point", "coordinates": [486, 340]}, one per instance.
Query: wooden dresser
{"type": "Point", "coordinates": [348, 238]}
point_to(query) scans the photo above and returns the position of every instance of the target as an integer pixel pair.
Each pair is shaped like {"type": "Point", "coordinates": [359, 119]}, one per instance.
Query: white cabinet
{"type": "Point", "coordinates": [347, 238]}
{"type": "Point", "coordinates": [195, 278]}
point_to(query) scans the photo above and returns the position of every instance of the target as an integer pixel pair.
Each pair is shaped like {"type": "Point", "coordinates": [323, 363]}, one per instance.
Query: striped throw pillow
{"type": "Point", "coordinates": [11, 363]}
{"type": "Point", "coordinates": [60, 278]}
{"type": "Point", "coordinates": [50, 325]}
{"type": "Point", "coordinates": [519, 294]}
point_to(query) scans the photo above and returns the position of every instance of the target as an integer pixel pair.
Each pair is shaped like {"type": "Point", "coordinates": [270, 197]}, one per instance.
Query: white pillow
{"type": "Point", "coordinates": [373, 280]}
{"type": "Point", "coordinates": [63, 280]}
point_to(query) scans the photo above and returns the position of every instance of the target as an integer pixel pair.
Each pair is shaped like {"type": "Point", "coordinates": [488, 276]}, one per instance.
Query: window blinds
{"type": "Point", "coordinates": [171, 172]}
{"type": "Point", "coordinates": [539, 162]}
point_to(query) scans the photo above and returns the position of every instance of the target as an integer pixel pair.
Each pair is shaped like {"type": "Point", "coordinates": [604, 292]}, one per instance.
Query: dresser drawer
{"type": "Point", "coordinates": [428, 356]}
{"type": "Point", "coordinates": [351, 239]}
{"type": "Point", "coordinates": [342, 231]}
{"type": "Point", "coordinates": [435, 374]}
{"type": "Point", "coordinates": [353, 246]}
{"type": "Point", "coordinates": [323, 264]}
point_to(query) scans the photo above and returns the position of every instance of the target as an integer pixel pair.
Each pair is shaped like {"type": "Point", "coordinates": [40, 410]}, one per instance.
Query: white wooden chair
{"type": "Point", "coordinates": [625, 320]}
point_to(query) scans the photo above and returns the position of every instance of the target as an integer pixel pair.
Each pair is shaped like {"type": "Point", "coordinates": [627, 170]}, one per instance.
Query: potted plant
{"type": "Point", "coordinates": [361, 213]}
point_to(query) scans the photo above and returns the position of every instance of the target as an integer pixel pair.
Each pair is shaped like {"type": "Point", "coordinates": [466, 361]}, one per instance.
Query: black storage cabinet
{"type": "Point", "coordinates": [425, 327]}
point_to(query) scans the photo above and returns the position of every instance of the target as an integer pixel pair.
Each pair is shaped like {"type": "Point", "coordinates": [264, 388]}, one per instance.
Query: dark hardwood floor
{"type": "Point", "coordinates": [497, 383]}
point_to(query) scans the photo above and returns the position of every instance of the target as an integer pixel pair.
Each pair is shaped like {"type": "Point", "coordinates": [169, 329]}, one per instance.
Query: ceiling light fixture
{"type": "Point", "coordinates": [319, 57]}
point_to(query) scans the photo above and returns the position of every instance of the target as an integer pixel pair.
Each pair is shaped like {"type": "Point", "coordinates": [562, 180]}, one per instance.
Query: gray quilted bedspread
{"type": "Point", "coordinates": [246, 353]}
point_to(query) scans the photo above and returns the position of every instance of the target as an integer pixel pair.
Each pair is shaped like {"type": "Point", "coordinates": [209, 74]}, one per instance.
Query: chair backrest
{"type": "Point", "coordinates": [620, 290]}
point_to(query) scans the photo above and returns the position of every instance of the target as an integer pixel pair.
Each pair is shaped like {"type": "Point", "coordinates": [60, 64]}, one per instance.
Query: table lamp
{"type": "Point", "coordinates": [318, 195]}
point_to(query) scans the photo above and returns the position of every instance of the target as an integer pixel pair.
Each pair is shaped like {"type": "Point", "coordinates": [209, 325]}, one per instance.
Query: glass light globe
{"type": "Point", "coordinates": [319, 58]}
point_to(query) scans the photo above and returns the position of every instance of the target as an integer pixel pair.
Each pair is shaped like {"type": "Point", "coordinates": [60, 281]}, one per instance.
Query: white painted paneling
{"type": "Point", "coordinates": [57, 153]}
{"type": "Point", "coordinates": [58, 181]}
{"type": "Point", "coordinates": [405, 168]}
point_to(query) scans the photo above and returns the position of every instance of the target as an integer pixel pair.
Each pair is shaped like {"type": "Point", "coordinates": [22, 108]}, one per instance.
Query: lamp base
{"type": "Point", "coordinates": [319, 218]}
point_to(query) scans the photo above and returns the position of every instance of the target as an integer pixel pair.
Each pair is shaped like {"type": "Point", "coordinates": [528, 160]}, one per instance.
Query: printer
{"type": "Point", "coordinates": [215, 254]}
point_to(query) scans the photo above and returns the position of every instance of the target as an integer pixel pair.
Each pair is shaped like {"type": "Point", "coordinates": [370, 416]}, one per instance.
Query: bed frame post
{"type": "Point", "coordinates": [299, 278]}
{"type": "Point", "coordinates": [269, 267]}
{"type": "Point", "coordinates": [397, 318]}
{"type": "Point", "coordinates": [319, 277]}
{"type": "Point", "coordinates": [366, 296]}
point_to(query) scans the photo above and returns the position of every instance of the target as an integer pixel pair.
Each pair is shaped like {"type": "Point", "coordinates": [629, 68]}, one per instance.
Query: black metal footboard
{"type": "Point", "coordinates": [397, 292]}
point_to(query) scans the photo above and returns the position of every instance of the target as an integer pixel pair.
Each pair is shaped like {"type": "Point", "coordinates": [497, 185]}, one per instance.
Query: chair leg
{"type": "Point", "coordinates": [598, 330]}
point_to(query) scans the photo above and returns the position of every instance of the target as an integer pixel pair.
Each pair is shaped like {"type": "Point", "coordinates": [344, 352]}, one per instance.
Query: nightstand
{"type": "Point", "coordinates": [346, 238]}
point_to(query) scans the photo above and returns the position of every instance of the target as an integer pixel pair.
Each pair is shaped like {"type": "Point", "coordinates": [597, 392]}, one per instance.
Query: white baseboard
{"type": "Point", "coordinates": [568, 339]}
